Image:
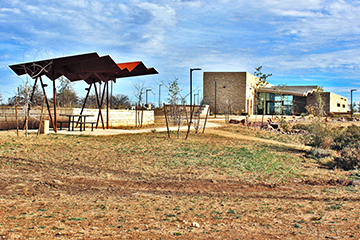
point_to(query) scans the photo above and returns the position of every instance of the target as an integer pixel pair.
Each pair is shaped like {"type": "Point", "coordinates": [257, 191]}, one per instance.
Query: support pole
{"type": "Point", "coordinates": [107, 105]}
{"type": "Point", "coordinates": [47, 102]}
{"type": "Point", "coordinates": [86, 97]}
{"type": "Point", "coordinates": [31, 99]}
{"type": "Point", "coordinates": [55, 117]}
{"type": "Point", "coordinates": [136, 115]}
{"type": "Point", "coordinates": [17, 119]}
{"type": "Point", "coordinates": [41, 116]}
{"type": "Point", "coordinates": [189, 125]}
{"type": "Point", "coordinates": [99, 105]}
{"type": "Point", "coordinates": [166, 120]}
{"type": "Point", "coordinates": [207, 114]}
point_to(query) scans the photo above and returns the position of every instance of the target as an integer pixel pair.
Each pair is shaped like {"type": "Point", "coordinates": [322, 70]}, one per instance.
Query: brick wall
{"type": "Point", "coordinates": [333, 103]}
{"type": "Point", "coordinates": [117, 117]}
{"type": "Point", "coordinates": [232, 88]}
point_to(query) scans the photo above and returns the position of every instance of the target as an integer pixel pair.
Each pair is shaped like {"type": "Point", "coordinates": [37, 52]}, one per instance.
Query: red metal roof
{"type": "Point", "coordinates": [89, 67]}
{"type": "Point", "coordinates": [129, 65]}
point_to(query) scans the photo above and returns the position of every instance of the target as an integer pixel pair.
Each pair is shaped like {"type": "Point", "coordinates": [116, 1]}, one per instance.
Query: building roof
{"type": "Point", "coordinates": [89, 67]}
{"type": "Point", "coordinates": [290, 90]}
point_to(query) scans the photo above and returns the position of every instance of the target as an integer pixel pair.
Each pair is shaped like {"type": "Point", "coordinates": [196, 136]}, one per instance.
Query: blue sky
{"type": "Point", "coordinates": [309, 42]}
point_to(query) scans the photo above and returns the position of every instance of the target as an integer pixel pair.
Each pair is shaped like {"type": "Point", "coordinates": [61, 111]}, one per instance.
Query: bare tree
{"type": "Point", "coordinates": [139, 89]}
{"type": "Point", "coordinates": [66, 95]}
{"type": "Point", "coordinates": [260, 83]}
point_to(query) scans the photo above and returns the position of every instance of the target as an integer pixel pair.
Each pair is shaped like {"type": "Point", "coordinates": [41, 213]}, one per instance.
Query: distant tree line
{"type": "Point", "coordinates": [66, 96]}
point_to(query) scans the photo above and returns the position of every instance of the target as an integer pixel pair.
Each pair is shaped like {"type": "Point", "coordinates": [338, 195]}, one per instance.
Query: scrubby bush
{"type": "Point", "coordinates": [345, 140]}
{"type": "Point", "coordinates": [349, 158]}
{"type": "Point", "coordinates": [346, 137]}
{"type": "Point", "coordinates": [320, 136]}
{"type": "Point", "coordinates": [300, 126]}
{"type": "Point", "coordinates": [318, 153]}
{"type": "Point", "coordinates": [286, 126]}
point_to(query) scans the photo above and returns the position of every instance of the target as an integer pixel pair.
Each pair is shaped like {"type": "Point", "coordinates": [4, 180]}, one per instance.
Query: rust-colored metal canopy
{"type": "Point", "coordinates": [89, 67]}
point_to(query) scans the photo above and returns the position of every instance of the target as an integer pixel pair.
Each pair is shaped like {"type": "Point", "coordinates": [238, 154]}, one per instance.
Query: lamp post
{"type": "Point", "coordinates": [215, 99]}
{"type": "Point", "coordinates": [160, 95]}
{"type": "Point", "coordinates": [196, 94]}
{"type": "Point", "coordinates": [191, 70]}
{"type": "Point", "coordinates": [351, 102]}
{"type": "Point", "coordinates": [147, 90]}
{"type": "Point", "coordinates": [198, 97]}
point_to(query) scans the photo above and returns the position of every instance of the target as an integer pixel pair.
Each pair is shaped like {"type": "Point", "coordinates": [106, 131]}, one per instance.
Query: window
{"type": "Point", "coordinates": [343, 105]}
{"type": "Point", "coordinates": [338, 104]}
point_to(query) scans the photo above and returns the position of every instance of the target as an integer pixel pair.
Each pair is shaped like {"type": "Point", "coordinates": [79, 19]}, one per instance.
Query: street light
{"type": "Point", "coordinates": [191, 70]}
{"type": "Point", "coordinates": [160, 95]}
{"type": "Point", "coordinates": [198, 97]}
{"type": "Point", "coordinates": [215, 99]}
{"type": "Point", "coordinates": [147, 90]}
{"type": "Point", "coordinates": [196, 94]}
{"type": "Point", "coordinates": [351, 103]}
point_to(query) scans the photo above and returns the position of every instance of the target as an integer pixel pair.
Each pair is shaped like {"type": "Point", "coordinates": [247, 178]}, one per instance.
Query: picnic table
{"type": "Point", "coordinates": [81, 120]}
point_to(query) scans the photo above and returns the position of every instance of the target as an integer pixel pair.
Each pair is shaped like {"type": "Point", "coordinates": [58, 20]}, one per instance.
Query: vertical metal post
{"type": "Point", "coordinates": [166, 120]}
{"type": "Point", "coordinates": [215, 99]}
{"type": "Point", "coordinates": [107, 105]}
{"type": "Point", "coordinates": [47, 103]}
{"type": "Point", "coordinates": [351, 103]}
{"type": "Point", "coordinates": [111, 94]}
{"type": "Point", "coordinates": [17, 119]}
{"type": "Point", "coordinates": [191, 70]}
{"type": "Point", "coordinates": [55, 117]}
{"type": "Point", "coordinates": [160, 95]}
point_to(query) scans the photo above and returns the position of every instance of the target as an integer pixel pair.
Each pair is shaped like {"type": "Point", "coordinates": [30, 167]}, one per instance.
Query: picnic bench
{"type": "Point", "coordinates": [81, 120]}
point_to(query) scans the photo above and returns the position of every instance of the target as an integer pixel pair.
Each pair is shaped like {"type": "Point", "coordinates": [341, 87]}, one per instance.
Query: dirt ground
{"type": "Point", "coordinates": [71, 200]}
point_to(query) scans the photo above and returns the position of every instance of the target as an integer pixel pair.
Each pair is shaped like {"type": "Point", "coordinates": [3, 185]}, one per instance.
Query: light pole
{"type": "Point", "coordinates": [191, 70]}
{"type": "Point", "coordinates": [215, 99]}
{"type": "Point", "coordinates": [196, 94]}
{"type": "Point", "coordinates": [147, 90]}
{"type": "Point", "coordinates": [198, 97]}
{"type": "Point", "coordinates": [351, 102]}
{"type": "Point", "coordinates": [160, 95]}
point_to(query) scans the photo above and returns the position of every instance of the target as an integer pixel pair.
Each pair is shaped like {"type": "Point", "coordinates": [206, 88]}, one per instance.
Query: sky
{"type": "Point", "coordinates": [308, 42]}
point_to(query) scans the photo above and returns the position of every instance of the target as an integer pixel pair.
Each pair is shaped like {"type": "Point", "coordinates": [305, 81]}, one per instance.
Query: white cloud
{"type": "Point", "coordinates": [284, 35]}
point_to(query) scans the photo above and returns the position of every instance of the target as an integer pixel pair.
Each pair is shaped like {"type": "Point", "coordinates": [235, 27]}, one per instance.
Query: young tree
{"type": "Point", "coordinates": [25, 92]}
{"type": "Point", "coordinates": [319, 101]}
{"type": "Point", "coordinates": [174, 92]}
{"type": "Point", "coordinates": [139, 89]}
{"type": "Point", "coordinates": [281, 89]}
{"type": "Point", "coordinates": [1, 98]}
{"type": "Point", "coordinates": [260, 83]}
{"type": "Point", "coordinates": [66, 96]}
{"type": "Point", "coordinates": [120, 101]}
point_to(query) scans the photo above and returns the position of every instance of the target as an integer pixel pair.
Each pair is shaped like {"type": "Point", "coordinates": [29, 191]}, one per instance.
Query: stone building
{"type": "Point", "coordinates": [233, 92]}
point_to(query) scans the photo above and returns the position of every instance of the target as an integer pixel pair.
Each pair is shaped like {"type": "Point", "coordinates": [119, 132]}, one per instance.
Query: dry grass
{"type": "Point", "coordinates": [150, 187]}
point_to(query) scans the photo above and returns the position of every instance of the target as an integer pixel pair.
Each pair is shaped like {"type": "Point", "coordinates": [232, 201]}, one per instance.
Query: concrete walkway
{"type": "Point", "coordinates": [100, 131]}
{"type": "Point", "coordinates": [257, 139]}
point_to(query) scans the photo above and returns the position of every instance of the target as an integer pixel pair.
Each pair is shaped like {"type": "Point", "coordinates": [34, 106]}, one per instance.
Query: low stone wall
{"type": "Point", "coordinates": [117, 118]}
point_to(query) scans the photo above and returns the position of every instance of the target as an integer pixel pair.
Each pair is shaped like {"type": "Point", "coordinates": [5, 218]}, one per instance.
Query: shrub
{"type": "Point", "coordinates": [319, 153]}
{"type": "Point", "coordinates": [286, 126]}
{"type": "Point", "coordinates": [300, 126]}
{"type": "Point", "coordinates": [349, 158]}
{"type": "Point", "coordinates": [320, 136]}
{"type": "Point", "coordinates": [346, 137]}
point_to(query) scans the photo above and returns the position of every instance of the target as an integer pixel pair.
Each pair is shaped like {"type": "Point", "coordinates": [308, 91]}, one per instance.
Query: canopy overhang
{"type": "Point", "coordinates": [89, 67]}
{"type": "Point", "coordinates": [290, 90]}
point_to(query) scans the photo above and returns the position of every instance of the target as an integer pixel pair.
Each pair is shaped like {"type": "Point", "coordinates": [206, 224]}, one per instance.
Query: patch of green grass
{"type": "Point", "coordinates": [335, 206]}
{"type": "Point", "coordinates": [76, 219]}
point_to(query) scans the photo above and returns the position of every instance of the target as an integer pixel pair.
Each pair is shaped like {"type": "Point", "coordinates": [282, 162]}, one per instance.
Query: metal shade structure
{"type": "Point", "coordinates": [89, 67]}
